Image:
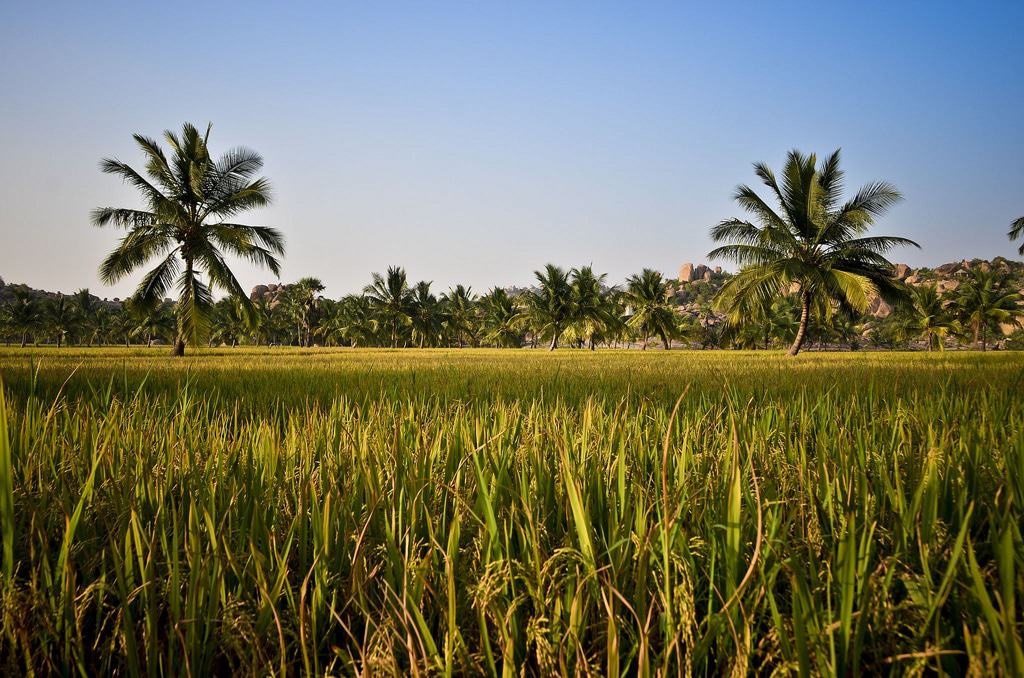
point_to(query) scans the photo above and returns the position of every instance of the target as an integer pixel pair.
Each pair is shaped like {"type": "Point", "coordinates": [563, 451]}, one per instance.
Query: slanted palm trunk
{"type": "Point", "coordinates": [554, 339]}
{"type": "Point", "coordinates": [24, 340]}
{"type": "Point", "coordinates": [805, 312]}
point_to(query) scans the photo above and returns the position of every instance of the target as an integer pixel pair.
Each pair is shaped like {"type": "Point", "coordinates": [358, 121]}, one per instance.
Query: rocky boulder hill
{"type": "Point", "coordinates": [8, 290]}
{"type": "Point", "coordinates": [694, 289]}
{"type": "Point", "coordinates": [272, 294]}
{"type": "Point", "coordinates": [947, 278]}
{"type": "Point", "coordinates": [698, 283]}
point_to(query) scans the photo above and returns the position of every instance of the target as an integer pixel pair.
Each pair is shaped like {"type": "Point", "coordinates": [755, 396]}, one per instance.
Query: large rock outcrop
{"type": "Point", "coordinates": [689, 273]}
{"type": "Point", "coordinates": [272, 294]}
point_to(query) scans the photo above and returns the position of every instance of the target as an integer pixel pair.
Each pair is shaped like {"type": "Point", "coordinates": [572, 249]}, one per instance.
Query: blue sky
{"type": "Point", "coordinates": [474, 142]}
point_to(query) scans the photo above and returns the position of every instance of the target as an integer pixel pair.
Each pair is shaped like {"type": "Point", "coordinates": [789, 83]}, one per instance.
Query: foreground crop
{"type": "Point", "coordinates": [510, 512]}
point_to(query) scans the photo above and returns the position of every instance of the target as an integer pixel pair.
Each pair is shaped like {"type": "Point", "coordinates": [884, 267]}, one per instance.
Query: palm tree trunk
{"type": "Point", "coordinates": [179, 342]}
{"type": "Point", "coordinates": [554, 339]}
{"type": "Point", "coordinates": [24, 340]}
{"type": "Point", "coordinates": [801, 333]}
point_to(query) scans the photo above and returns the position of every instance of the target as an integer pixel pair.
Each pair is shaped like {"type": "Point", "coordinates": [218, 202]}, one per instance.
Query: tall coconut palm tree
{"type": "Point", "coordinates": [929, 316]}
{"type": "Point", "coordinates": [60, 317]}
{"type": "Point", "coordinates": [123, 323]}
{"type": "Point", "coordinates": [355, 320]}
{"type": "Point", "coordinates": [776, 321]}
{"type": "Point", "coordinates": [88, 309]}
{"type": "Point", "coordinates": [230, 324]}
{"type": "Point", "coordinates": [25, 314]}
{"type": "Point", "coordinates": [652, 315]}
{"type": "Point", "coordinates": [426, 315]}
{"type": "Point", "coordinates": [261, 321]}
{"type": "Point", "coordinates": [812, 240]}
{"type": "Point", "coordinates": [550, 306]}
{"type": "Point", "coordinates": [984, 302]}
{"type": "Point", "coordinates": [304, 302]}
{"type": "Point", "coordinates": [190, 201]}
{"type": "Point", "coordinates": [151, 320]}
{"type": "Point", "coordinates": [102, 327]}
{"type": "Point", "coordinates": [503, 319]}
{"type": "Point", "coordinates": [460, 307]}
{"type": "Point", "coordinates": [592, 313]}
{"type": "Point", "coordinates": [390, 298]}
{"type": "Point", "coordinates": [1017, 231]}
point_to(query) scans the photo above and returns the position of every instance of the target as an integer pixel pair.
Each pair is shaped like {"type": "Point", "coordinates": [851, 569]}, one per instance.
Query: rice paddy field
{"type": "Point", "coordinates": [344, 512]}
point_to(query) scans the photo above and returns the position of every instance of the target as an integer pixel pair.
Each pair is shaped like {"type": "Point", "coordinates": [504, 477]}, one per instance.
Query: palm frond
{"type": "Point", "coordinates": [736, 230]}
{"type": "Point", "coordinates": [121, 217]}
{"type": "Point", "coordinates": [1016, 231]}
{"type": "Point", "coordinates": [875, 244]}
{"type": "Point", "coordinates": [750, 201]}
{"type": "Point", "coordinates": [153, 195]}
{"type": "Point", "coordinates": [156, 163]}
{"type": "Point", "coordinates": [133, 251]}
{"type": "Point", "coordinates": [195, 307]}
{"type": "Point", "coordinates": [154, 285]}
{"type": "Point", "coordinates": [745, 255]}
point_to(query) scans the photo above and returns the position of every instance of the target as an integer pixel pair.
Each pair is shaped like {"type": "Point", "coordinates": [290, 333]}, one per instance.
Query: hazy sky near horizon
{"type": "Point", "coordinates": [474, 142]}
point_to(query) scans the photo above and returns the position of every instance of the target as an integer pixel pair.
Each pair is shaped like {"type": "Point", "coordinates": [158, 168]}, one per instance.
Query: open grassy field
{"type": "Point", "coordinates": [511, 512]}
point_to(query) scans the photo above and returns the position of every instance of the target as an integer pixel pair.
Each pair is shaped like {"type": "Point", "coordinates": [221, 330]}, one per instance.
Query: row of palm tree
{"type": "Point", "coordinates": [568, 306]}
{"type": "Point", "coordinates": [812, 243]}
{"type": "Point", "coordinates": [81, 318]}
{"type": "Point", "coordinates": [971, 314]}
{"type": "Point", "coordinates": [573, 307]}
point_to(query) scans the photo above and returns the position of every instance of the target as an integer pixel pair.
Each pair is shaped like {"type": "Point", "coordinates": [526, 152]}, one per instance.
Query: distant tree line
{"type": "Point", "coordinates": [564, 308]}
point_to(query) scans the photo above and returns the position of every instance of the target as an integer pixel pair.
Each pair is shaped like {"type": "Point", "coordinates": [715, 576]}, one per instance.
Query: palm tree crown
{"type": "Point", "coordinates": [929, 315]}
{"type": "Point", "coordinates": [190, 200]}
{"type": "Point", "coordinates": [812, 241]}
{"type": "Point", "coordinates": [1017, 231]}
{"type": "Point", "coordinates": [391, 297]}
{"type": "Point", "coordinates": [647, 295]}
{"type": "Point", "coordinates": [551, 306]}
{"type": "Point", "coordinates": [983, 302]}
{"type": "Point", "coordinates": [426, 316]}
{"type": "Point", "coordinates": [594, 314]}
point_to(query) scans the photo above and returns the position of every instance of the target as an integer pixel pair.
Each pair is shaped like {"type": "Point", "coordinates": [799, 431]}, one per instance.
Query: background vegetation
{"type": "Point", "coordinates": [972, 307]}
